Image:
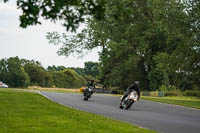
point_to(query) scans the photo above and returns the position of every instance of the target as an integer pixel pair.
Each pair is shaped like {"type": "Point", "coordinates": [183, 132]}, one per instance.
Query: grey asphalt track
{"type": "Point", "coordinates": [152, 115]}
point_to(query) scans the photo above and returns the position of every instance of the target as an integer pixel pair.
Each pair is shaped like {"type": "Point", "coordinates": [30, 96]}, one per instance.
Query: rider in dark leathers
{"type": "Point", "coordinates": [132, 87]}
{"type": "Point", "coordinates": [91, 84]}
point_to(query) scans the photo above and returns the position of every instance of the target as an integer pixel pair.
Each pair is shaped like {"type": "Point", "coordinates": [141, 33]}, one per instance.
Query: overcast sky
{"type": "Point", "coordinates": [31, 43]}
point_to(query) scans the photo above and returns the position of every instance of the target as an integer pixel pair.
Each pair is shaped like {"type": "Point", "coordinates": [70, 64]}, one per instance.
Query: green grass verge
{"type": "Point", "coordinates": [62, 90]}
{"type": "Point", "coordinates": [192, 102]}
{"type": "Point", "coordinates": [25, 112]}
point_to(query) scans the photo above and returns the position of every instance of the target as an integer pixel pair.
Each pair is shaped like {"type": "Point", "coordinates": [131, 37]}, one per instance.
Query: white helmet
{"type": "Point", "coordinates": [137, 82]}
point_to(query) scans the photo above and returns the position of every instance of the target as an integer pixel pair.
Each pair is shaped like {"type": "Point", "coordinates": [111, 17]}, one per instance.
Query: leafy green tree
{"type": "Point", "coordinates": [51, 68]}
{"type": "Point", "coordinates": [153, 41]}
{"type": "Point", "coordinates": [69, 12]}
{"type": "Point", "coordinates": [16, 75]}
{"type": "Point", "coordinates": [91, 68]}
{"type": "Point", "coordinates": [3, 70]}
{"type": "Point", "coordinates": [74, 79]}
{"type": "Point", "coordinates": [59, 79]}
{"type": "Point", "coordinates": [79, 70]}
{"type": "Point", "coordinates": [37, 74]}
{"type": "Point", "coordinates": [152, 31]}
{"type": "Point", "coordinates": [68, 78]}
{"type": "Point", "coordinates": [159, 74]}
{"type": "Point", "coordinates": [54, 68]}
{"type": "Point", "coordinates": [61, 68]}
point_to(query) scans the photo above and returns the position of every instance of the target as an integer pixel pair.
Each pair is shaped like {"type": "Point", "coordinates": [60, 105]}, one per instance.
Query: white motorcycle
{"type": "Point", "coordinates": [129, 100]}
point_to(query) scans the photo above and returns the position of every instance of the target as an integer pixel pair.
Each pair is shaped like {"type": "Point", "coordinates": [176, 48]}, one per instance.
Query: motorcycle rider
{"type": "Point", "coordinates": [91, 84]}
{"type": "Point", "coordinates": [132, 87]}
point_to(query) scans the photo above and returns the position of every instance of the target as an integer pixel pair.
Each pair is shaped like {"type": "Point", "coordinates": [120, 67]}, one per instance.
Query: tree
{"type": "Point", "coordinates": [91, 68]}
{"type": "Point", "coordinates": [68, 78]}
{"type": "Point", "coordinates": [159, 74]}
{"type": "Point", "coordinates": [54, 68]}
{"type": "Point", "coordinates": [149, 30]}
{"type": "Point", "coordinates": [79, 70]}
{"type": "Point", "coordinates": [3, 71]}
{"type": "Point", "coordinates": [80, 43]}
{"type": "Point", "coordinates": [153, 41]}
{"type": "Point", "coordinates": [13, 73]}
{"type": "Point", "coordinates": [37, 74]}
{"type": "Point", "coordinates": [70, 12]}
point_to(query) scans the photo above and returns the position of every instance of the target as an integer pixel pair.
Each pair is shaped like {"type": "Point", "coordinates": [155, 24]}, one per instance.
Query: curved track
{"type": "Point", "coordinates": [152, 115]}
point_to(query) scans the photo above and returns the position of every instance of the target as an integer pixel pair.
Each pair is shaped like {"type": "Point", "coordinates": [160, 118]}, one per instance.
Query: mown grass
{"type": "Point", "coordinates": [192, 102]}
{"type": "Point", "coordinates": [25, 112]}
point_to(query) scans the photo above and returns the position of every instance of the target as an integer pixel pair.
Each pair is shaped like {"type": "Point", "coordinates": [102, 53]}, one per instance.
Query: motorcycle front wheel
{"type": "Point", "coordinates": [129, 104]}
{"type": "Point", "coordinates": [85, 98]}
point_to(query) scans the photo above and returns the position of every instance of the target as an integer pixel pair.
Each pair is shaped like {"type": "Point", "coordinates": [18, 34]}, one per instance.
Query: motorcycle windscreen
{"type": "Point", "coordinates": [133, 96]}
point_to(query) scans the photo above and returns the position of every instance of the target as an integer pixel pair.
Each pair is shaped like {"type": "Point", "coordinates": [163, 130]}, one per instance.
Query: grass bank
{"type": "Point", "coordinates": [192, 102]}
{"type": "Point", "coordinates": [26, 112]}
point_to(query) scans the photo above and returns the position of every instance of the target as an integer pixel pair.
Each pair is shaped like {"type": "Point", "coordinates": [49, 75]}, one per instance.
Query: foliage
{"type": "Point", "coordinates": [195, 93]}
{"type": "Point", "coordinates": [88, 78]}
{"type": "Point", "coordinates": [68, 78]}
{"type": "Point", "coordinates": [70, 12]}
{"type": "Point", "coordinates": [21, 72]}
{"type": "Point", "coordinates": [172, 88]}
{"type": "Point", "coordinates": [13, 73]}
{"type": "Point", "coordinates": [91, 68]}
{"type": "Point", "coordinates": [159, 75]}
{"type": "Point", "coordinates": [54, 68]}
{"type": "Point", "coordinates": [172, 93]}
{"type": "Point", "coordinates": [76, 80]}
{"type": "Point", "coordinates": [79, 70]}
{"type": "Point", "coordinates": [153, 41]}
{"type": "Point", "coordinates": [163, 88]}
{"type": "Point", "coordinates": [3, 70]}
{"type": "Point", "coordinates": [168, 88]}
{"type": "Point", "coordinates": [37, 74]}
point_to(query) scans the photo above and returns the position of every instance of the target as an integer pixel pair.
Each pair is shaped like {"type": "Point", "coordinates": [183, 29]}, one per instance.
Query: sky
{"type": "Point", "coordinates": [30, 43]}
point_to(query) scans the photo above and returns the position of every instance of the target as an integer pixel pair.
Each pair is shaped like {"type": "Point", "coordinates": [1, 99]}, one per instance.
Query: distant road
{"type": "Point", "coordinates": [152, 115]}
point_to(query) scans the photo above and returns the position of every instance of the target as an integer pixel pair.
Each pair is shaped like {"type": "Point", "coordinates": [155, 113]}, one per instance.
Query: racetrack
{"type": "Point", "coordinates": [152, 115]}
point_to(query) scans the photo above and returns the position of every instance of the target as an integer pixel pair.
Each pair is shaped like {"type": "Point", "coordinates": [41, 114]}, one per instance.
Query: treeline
{"type": "Point", "coordinates": [156, 42]}
{"type": "Point", "coordinates": [23, 73]}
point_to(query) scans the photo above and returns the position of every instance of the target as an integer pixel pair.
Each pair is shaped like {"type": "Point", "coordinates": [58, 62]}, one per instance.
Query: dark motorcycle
{"type": "Point", "coordinates": [87, 93]}
{"type": "Point", "coordinates": [129, 100]}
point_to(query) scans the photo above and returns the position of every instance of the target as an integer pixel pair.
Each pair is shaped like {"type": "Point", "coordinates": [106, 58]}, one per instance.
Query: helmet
{"type": "Point", "coordinates": [137, 82]}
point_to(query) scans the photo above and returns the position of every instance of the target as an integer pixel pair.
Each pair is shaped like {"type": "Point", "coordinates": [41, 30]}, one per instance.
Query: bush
{"type": "Point", "coordinates": [163, 88]}
{"type": "Point", "coordinates": [167, 88]}
{"type": "Point", "coordinates": [68, 78]}
{"type": "Point", "coordinates": [171, 88]}
{"type": "Point", "coordinates": [89, 78]}
{"type": "Point", "coordinates": [74, 80]}
{"type": "Point", "coordinates": [194, 93]}
{"type": "Point", "coordinates": [172, 93]}
{"type": "Point", "coordinates": [198, 94]}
